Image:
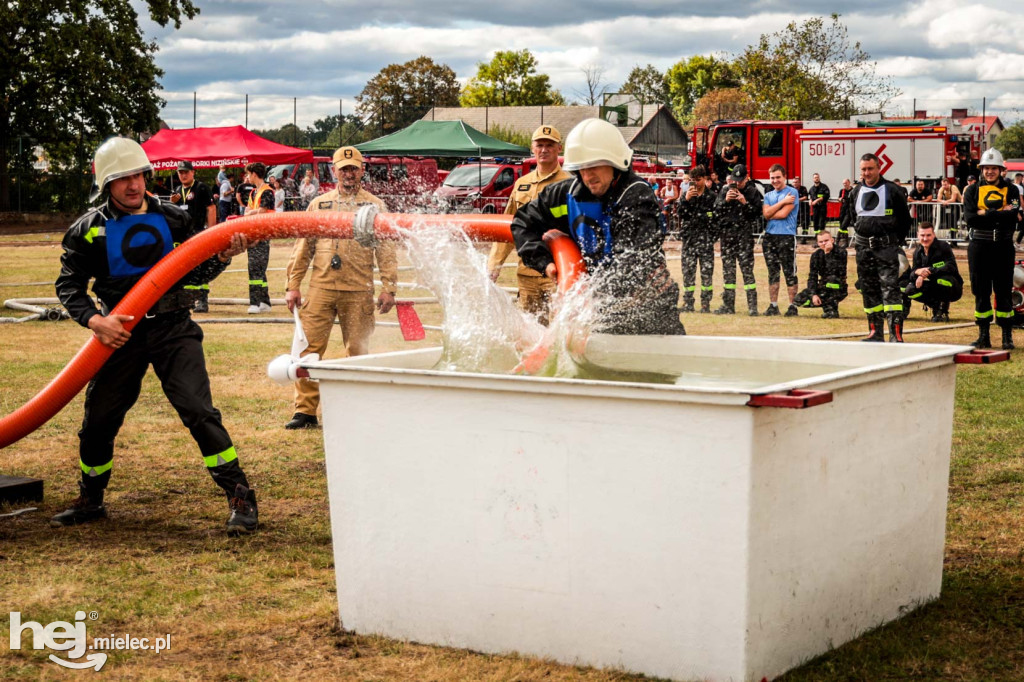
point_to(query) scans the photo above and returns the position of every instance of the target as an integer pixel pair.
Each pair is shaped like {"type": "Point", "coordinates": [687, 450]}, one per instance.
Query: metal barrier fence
{"type": "Point", "coordinates": [946, 218]}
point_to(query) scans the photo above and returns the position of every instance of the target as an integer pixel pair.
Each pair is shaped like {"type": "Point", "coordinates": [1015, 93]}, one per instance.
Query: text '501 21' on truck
{"type": "Point", "coordinates": [927, 149]}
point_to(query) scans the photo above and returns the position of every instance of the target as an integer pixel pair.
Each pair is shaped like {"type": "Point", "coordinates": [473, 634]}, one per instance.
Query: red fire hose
{"type": "Point", "coordinates": [182, 260]}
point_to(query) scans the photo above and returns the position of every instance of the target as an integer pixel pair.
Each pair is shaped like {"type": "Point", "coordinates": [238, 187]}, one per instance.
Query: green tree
{"type": "Point", "coordinates": [646, 84]}
{"type": "Point", "coordinates": [324, 131]}
{"type": "Point", "coordinates": [510, 79]}
{"type": "Point", "coordinates": [690, 79]}
{"type": "Point", "coordinates": [1010, 142]}
{"type": "Point", "coordinates": [76, 71]}
{"type": "Point", "coordinates": [289, 134]}
{"type": "Point", "coordinates": [812, 70]}
{"type": "Point", "coordinates": [402, 93]}
{"type": "Point", "coordinates": [722, 103]}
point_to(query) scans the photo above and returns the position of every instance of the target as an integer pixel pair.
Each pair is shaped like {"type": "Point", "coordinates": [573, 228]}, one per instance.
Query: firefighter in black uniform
{"type": "Point", "coordinates": [738, 207]}
{"type": "Point", "coordinates": [615, 218]}
{"type": "Point", "coordinates": [933, 278]}
{"type": "Point", "coordinates": [698, 233]}
{"type": "Point", "coordinates": [878, 211]}
{"type": "Point", "coordinates": [826, 281]}
{"type": "Point", "coordinates": [115, 245]}
{"type": "Point", "coordinates": [843, 235]}
{"type": "Point", "coordinates": [990, 210]}
{"type": "Point", "coordinates": [261, 200]}
{"type": "Point", "coordinates": [818, 194]}
{"type": "Point", "coordinates": [196, 198]}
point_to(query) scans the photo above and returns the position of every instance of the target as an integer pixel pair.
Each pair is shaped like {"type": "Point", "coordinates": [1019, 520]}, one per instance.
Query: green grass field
{"type": "Point", "coordinates": [264, 607]}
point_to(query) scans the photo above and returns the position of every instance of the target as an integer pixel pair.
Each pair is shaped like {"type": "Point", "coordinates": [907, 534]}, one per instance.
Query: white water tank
{"type": "Point", "coordinates": [671, 530]}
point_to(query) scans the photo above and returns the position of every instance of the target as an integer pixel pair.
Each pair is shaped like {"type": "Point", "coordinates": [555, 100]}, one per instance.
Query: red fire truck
{"type": "Point", "coordinates": [907, 151]}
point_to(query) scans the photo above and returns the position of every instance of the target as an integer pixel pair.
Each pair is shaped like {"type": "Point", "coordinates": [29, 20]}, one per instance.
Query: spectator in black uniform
{"type": "Point", "coordinates": [920, 192]}
{"type": "Point", "coordinates": [933, 278]}
{"type": "Point", "coordinates": [804, 209]}
{"type": "Point", "coordinates": [990, 209]}
{"type": "Point", "coordinates": [242, 192]}
{"type": "Point", "coordinates": [698, 232]}
{"type": "Point", "coordinates": [115, 245]}
{"type": "Point", "coordinates": [966, 170]}
{"type": "Point", "coordinates": [195, 197]}
{"type": "Point", "coordinates": [843, 236]}
{"type": "Point", "coordinates": [819, 194]}
{"type": "Point", "coordinates": [261, 200]}
{"type": "Point", "coordinates": [878, 210]}
{"type": "Point", "coordinates": [737, 208]}
{"type": "Point", "coordinates": [730, 156]}
{"type": "Point", "coordinates": [826, 281]}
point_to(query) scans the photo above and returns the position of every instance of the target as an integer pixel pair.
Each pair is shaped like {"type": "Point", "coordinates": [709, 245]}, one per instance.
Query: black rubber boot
{"type": "Point", "coordinates": [895, 327]}
{"type": "Point", "coordinates": [302, 421]}
{"type": "Point", "coordinates": [983, 340]}
{"type": "Point", "coordinates": [752, 302]}
{"type": "Point", "coordinates": [945, 311]}
{"type": "Point", "coordinates": [728, 303]}
{"type": "Point", "coordinates": [84, 509]}
{"type": "Point", "coordinates": [876, 328]}
{"type": "Point", "coordinates": [202, 304]}
{"type": "Point", "coordinates": [244, 517]}
{"type": "Point", "coordinates": [687, 302]}
{"type": "Point", "coordinates": [1007, 337]}
{"type": "Point", "coordinates": [705, 300]}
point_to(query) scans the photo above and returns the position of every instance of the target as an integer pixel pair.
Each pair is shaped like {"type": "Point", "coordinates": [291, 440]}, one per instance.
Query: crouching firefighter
{"type": "Point", "coordinates": [115, 245]}
{"type": "Point", "coordinates": [878, 211]}
{"type": "Point", "coordinates": [826, 283]}
{"type": "Point", "coordinates": [615, 218]}
{"type": "Point", "coordinates": [990, 210]}
{"type": "Point", "coordinates": [933, 279]}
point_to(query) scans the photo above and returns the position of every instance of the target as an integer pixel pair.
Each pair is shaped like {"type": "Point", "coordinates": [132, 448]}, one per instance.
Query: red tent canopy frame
{"type": "Point", "coordinates": [213, 147]}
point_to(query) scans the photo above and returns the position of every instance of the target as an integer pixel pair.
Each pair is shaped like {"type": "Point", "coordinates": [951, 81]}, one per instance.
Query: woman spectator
{"type": "Point", "coordinates": [275, 183]}
{"type": "Point", "coordinates": [308, 189]}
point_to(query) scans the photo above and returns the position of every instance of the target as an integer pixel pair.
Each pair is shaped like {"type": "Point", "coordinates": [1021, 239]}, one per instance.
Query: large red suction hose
{"type": "Point", "coordinates": [182, 260]}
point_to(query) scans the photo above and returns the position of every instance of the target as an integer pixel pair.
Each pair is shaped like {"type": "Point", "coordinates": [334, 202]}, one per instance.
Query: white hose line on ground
{"type": "Point", "coordinates": [285, 320]}
{"type": "Point", "coordinates": [401, 268]}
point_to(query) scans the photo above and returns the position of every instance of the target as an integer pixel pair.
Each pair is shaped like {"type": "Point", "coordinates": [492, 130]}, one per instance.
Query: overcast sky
{"type": "Point", "coordinates": [945, 53]}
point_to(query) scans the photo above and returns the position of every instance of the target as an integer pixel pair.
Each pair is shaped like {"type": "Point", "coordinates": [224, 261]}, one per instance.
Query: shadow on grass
{"type": "Point", "coordinates": [973, 631]}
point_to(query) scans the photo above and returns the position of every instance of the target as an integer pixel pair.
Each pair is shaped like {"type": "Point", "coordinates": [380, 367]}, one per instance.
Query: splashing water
{"type": "Point", "coordinates": [483, 329]}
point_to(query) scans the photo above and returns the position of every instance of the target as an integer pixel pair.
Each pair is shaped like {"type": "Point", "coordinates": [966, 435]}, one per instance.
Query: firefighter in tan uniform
{"type": "Point", "coordinates": [535, 289]}
{"type": "Point", "coordinates": [341, 285]}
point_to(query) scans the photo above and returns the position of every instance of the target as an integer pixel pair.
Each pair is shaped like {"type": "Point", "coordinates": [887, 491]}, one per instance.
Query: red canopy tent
{"type": "Point", "coordinates": [212, 147]}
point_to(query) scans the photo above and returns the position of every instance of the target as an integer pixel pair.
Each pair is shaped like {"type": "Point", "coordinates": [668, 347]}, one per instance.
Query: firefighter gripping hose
{"type": "Point", "coordinates": [180, 261]}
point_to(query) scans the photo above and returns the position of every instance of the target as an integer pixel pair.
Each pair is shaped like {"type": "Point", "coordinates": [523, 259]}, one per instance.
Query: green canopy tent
{"type": "Point", "coordinates": [440, 138]}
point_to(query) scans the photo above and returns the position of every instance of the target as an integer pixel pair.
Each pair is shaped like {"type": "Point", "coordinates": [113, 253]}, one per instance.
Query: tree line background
{"type": "Point", "coordinates": [807, 70]}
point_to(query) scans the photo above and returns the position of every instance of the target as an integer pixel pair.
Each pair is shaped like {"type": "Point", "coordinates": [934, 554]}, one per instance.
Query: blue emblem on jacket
{"type": "Point", "coordinates": [135, 243]}
{"type": "Point", "coordinates": [591, 227]}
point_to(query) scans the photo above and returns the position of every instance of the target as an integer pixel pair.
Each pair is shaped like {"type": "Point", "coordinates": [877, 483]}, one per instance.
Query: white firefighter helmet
{"type": "Point", "coordinates": [901, 256]}
{"type": "Point", "coordinates": [116, 158]}
{"type": "Point", "coordinates": [1018, 277]}
{"type": "Point", "coordinates": [594, 142]}
{"type": "Point", "coordinates": [992, 157]}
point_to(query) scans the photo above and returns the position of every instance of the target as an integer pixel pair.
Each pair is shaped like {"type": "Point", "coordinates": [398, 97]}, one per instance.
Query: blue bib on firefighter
{"type": "Point", "coordinates": [591, 227]}
{"type": "Point", "coordinates": [135, 243]}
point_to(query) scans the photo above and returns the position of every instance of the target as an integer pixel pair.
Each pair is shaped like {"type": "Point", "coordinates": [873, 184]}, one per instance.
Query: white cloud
{"type": "Point", "coordinates": [935, 49]}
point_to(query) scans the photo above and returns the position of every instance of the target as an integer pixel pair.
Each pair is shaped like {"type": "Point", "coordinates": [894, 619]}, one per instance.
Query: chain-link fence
{"type": "Point", "coordinates": [29, 183]}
